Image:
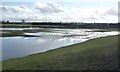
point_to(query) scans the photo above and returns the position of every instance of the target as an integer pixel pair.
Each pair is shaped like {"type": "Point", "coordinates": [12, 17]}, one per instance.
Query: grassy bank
{"type": "Point", "coordinates": [96, 54]}
{"type": "Point", "coordinates": [9, 25]}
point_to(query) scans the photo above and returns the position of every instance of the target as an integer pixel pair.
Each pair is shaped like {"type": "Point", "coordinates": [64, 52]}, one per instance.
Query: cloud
{"type": "Point", "coordinates": [54, 12]}
{"type": "Point", "coordinates": [112, 11]}
{"type": "Point", "coordinates": [50, 7]}
{"type": "Point", "coordinates": [98, 15]}
{"type": "Point", "coordinates": [22, 8]}
{"type": "Point", "coordinates": [4, 8]}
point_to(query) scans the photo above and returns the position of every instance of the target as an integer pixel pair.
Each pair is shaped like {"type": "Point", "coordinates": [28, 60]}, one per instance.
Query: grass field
{"type": "Point", "coordinates": [96, 54]}
{"type": "Point", "coordinates": [15, 24]}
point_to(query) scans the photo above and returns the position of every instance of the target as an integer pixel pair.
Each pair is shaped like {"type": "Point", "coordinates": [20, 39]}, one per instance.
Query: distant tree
{"type": "Point", "coordinates": [23, 21]}
{"type": "Point", "coordinates": [8, 21]}
{"type": "Point", "coordinates": [3, 21]}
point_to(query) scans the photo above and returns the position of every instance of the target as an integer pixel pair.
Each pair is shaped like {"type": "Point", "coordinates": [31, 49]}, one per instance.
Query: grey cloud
{"type": "Point", "coordinates": [22, 8]}
{"type": "Point", "coordinates": [4, 8]}
{"type": "Point", "coordinates": [50, 7]}
{"type": "Point", "coordinates": [112, 11]}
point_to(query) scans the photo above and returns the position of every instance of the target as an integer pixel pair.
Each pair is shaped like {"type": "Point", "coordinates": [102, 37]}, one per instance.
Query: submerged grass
{"type": "Point", "coordinates": [98, 30]}
{"type": "Point", "coordinates": [12, 33]}
{"type": "Point", "coordinates": [96, 54]}
{"type": "Point", "coordinates": [74, 35]}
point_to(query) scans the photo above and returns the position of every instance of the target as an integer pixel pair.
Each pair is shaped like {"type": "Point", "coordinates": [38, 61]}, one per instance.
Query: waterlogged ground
{"type": "Point", "coordinates": [21, 42]}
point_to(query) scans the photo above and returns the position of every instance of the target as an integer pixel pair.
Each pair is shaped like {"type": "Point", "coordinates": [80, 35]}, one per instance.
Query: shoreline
{"type": "Point", "coordinates": [57, 48]}
{"type": "Point", "coordinates": [62, 38]}
{"type": "Point", "coordinates": [56, 55]}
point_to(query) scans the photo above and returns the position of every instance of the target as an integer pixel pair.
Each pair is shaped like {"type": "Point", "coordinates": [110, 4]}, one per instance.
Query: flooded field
{"type": "Point", "coordinates": [35, 40]}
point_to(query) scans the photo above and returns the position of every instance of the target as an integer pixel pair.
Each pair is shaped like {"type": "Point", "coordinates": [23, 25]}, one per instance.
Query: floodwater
{"type": "Point", "coordinates": [14, 47]}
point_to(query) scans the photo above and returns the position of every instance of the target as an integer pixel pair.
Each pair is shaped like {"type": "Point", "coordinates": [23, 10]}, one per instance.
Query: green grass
{"type": "Point", "coordinates": [96, 54]}
{"type": "Point", "coordinates": [0, 66]}
{"type": "Point", "coordinates": [15, 25]}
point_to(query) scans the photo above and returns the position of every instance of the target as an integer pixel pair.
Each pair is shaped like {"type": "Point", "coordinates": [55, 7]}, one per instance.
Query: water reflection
{"type": "Point", "coordinates": [13, 47]}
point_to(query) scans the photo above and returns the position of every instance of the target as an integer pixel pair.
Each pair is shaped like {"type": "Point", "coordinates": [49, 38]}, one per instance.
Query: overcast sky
{"type": "Point", "coordinates": [60, 10]}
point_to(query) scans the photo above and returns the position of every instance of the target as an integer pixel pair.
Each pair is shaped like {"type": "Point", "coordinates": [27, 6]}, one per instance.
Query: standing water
{"type": "Point", "coordinates": [18, 46]}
